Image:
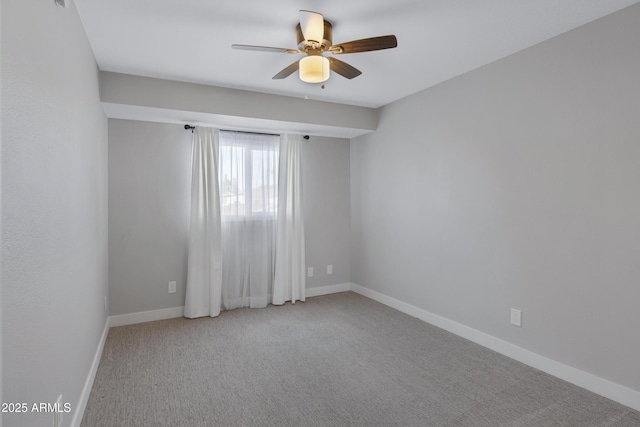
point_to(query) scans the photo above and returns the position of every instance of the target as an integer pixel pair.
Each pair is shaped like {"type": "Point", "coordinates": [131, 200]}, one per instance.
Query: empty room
{"type": "Point", "coordinates": [412, 213]}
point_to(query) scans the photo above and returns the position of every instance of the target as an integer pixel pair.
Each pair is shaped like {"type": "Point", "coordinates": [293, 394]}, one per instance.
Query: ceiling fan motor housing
{"type": "Point", "coordinates": [327, 40]}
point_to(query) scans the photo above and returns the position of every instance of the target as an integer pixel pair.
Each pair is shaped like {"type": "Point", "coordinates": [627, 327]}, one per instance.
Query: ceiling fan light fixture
{"type": "Point", "coordinates": [312, 24]}
{"type": "Point", "coordinates": [314, 69]}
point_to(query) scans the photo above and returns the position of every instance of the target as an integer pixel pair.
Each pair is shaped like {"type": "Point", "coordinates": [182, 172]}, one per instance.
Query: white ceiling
{"type": "Point", "coordinates": [190, 40]}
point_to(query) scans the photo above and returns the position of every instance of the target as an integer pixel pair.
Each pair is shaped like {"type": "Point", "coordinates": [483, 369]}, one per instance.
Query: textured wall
{"type": "Point", "coordinates": [149, 192]}
{"type": "Point", "coordinates": [516, 185]}
{"type": "Point", "coordinates": [325, 169]}
{"type": "Point", "coordinates": [1, 134]}
{"type": "Point", "coordinates": [54, 207]}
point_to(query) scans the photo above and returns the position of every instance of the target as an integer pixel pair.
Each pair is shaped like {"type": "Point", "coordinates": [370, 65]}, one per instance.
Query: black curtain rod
{"type": "Point", "coordinates": [189, 127]}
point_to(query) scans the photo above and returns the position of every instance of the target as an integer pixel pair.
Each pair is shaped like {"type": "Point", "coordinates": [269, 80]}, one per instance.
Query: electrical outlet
{"type": "Point", "coordinates": [330, 269]}
{"type": "Point", "coordinates": [310, 272]}
{"type": "Point", "coordinates": [172, 287]}
{"type": "Point", "coordinates": [105, 303]}
{"type": "Point", "coordinates": [516, 317]}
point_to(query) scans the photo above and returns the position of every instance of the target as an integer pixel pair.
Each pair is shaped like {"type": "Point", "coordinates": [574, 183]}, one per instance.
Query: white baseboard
{"type": "Point", "coordinates": [601, 386]}
{"type": "Point", "coordinates": [145, 316]}
{"type": "Point", "coordinates": [169, 313]}
{"type": "Point", "coordinates": [325, 290]}
{"type": "Point", "coordinates": [88, 384]}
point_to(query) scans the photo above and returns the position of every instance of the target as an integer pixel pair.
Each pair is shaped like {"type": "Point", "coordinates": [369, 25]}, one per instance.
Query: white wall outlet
{"type": "Point", "coordinates": [330, 269]}
{"type": "Point", "coordinates": [172, 287]}
{"type": "Point", "coordinates": [516, 317]}
{"type": "Point", "coordinates": [310, 272]}
{"type": "Point", "coordinates": [105, 303]}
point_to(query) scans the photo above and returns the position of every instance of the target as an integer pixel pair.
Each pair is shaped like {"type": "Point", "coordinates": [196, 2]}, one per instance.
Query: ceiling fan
{"type": "Point", "coordinates": [314, 35]}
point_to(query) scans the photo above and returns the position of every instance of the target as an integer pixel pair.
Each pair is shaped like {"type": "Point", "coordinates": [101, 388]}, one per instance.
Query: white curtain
{"type": "Point", "coordinates": [289, 282]}
{"type": "Point", "coordinates": [204, 269]}
{"type": "Point", "coordinates": [248, 174]}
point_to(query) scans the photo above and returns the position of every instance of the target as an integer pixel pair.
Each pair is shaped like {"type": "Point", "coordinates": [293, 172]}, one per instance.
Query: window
{"type": "Point", "coordinates": [248, 180]}
{"type": "Point", "coordinates": [248, 175]}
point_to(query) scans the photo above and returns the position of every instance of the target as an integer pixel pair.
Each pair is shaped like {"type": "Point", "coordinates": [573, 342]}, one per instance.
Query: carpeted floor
{"type": "Point", "coordinates": [335, 360]}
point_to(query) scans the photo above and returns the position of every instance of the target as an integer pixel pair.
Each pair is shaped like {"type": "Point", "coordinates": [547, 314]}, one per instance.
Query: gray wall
{"type": "Point", "coordinates": [54, 208]}
{"type": "Point", "coordinates": [326, 195]}
{"type": "Point", "coordinates": [1, 364]}
{"type": "Point", "coordinates": [516, 185]}
{"type": "Point", "coordinates": [149, 192]}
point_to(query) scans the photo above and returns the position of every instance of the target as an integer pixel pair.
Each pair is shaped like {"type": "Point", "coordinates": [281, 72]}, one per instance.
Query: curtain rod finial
{"type": "Point", "coordinates": [306, 137]}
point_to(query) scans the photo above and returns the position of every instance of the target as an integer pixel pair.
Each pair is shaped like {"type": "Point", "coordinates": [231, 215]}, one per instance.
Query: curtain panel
{"type": "Point", "coordinates": [289, 282]}
{"type": "Point", "coordinates": [248, 174]}
{"type": "Point", "coordinates": [204, 266]}
{"type": "Point", "coordinates": [246, 239]}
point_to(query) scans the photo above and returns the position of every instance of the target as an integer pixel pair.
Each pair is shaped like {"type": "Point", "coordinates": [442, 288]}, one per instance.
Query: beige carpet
{"type": "Point", "coordinates": [336, 360]}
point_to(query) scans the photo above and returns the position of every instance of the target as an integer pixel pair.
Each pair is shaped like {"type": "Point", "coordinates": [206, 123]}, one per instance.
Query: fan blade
{"type": "Point", "coordinates": [312, 25]}
{"type": "Point", "coordinates": [365, 45]}
{"type": "Point", "coordinates": [264, 48]}
{"type": "Point", "coordinates": [344, 69]}
{"type": "Point", "coordinates": [287, 71]}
